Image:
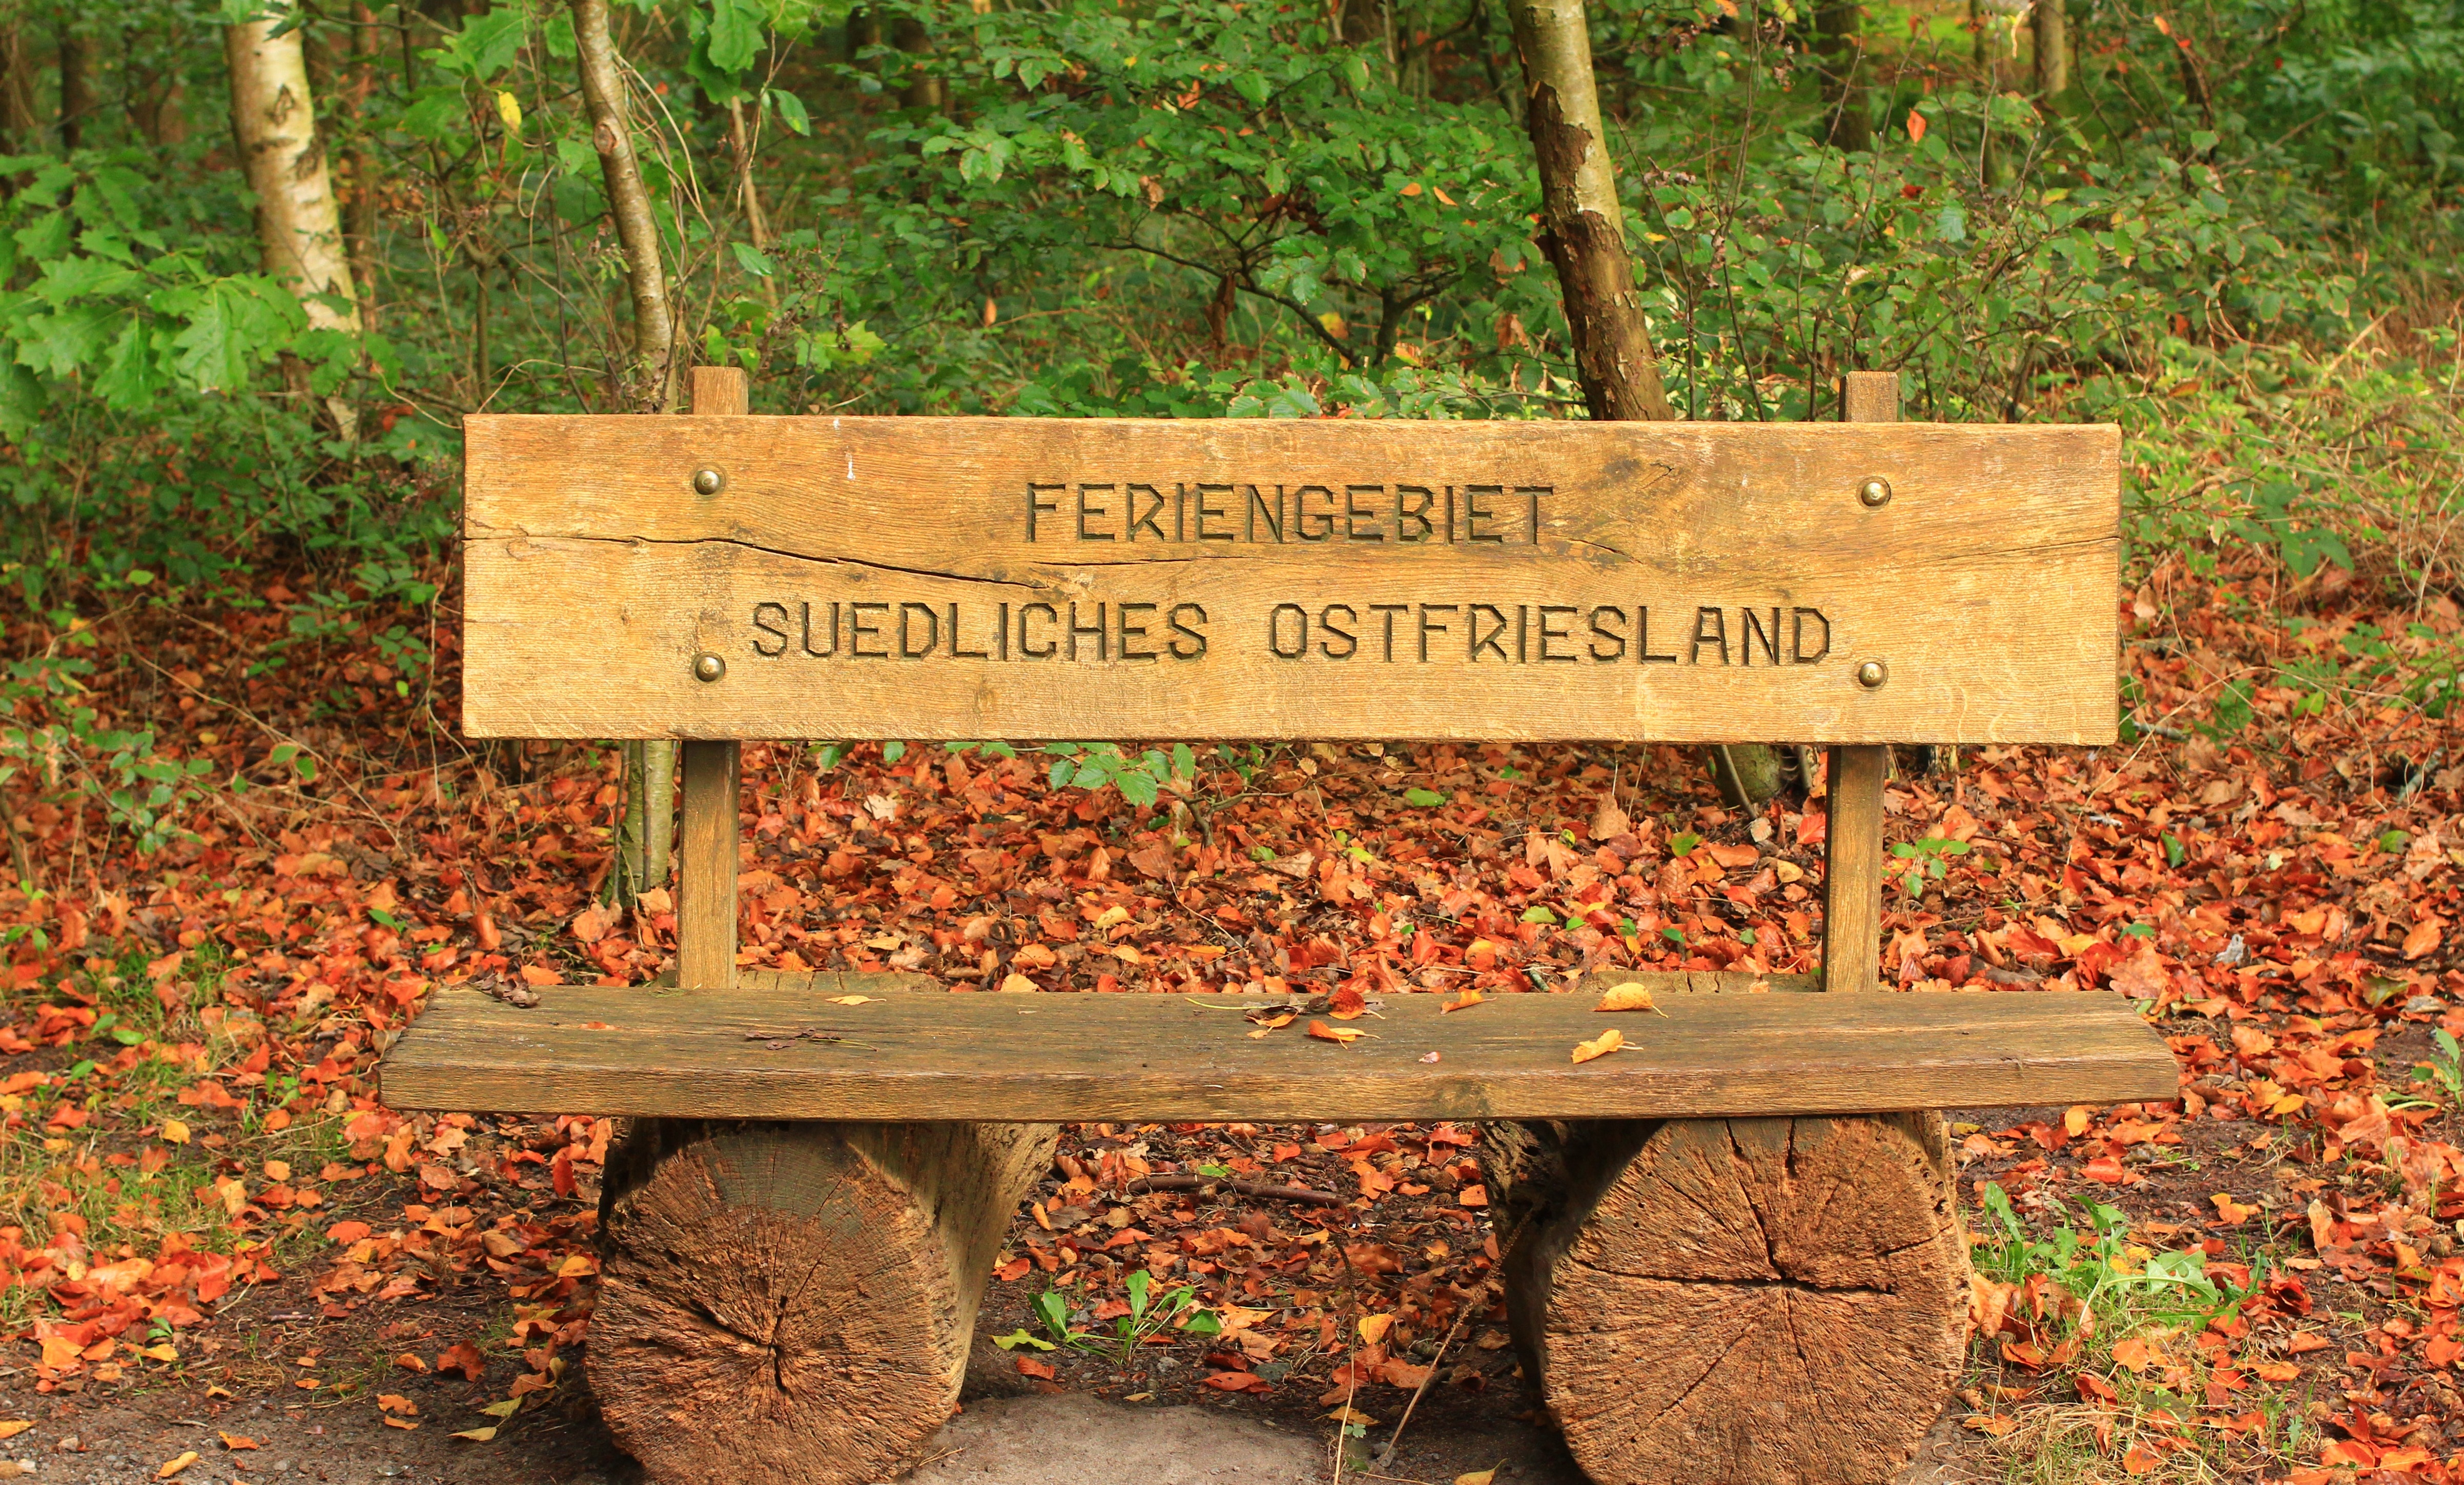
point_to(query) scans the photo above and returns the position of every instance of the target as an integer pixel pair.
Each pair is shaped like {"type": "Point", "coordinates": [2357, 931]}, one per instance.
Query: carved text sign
{"type": "Point", "coordinates": [972, 577]}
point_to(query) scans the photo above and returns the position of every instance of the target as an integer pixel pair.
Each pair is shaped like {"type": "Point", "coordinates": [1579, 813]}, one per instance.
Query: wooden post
{"type": "Point", "coordinates": [1852, 873]}
{"type": "Point", "coordinates": [706, 878]}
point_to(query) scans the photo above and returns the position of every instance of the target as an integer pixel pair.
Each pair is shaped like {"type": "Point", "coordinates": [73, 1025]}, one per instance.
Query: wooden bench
{"type": "Point", "coordinates": [1733, 1248]}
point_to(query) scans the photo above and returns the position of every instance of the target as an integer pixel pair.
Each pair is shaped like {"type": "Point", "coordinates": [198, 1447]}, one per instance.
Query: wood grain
{"type": "Point", "coordinates": [1060, 1057]}
{"type": "Point", "coordinates": [596, 573]}
{"type": "Point", "coordinates": [1852, 852]}
{"type": "Point", "coordinates": [713, 782]}
{"type": "Point", "coordinates": [1824, 1256]}
{"type": "Point", "coordinates": [1852, 869]}
{"type": "Point", "coordinates": [803, 1296]}
{"type": "Point", "coordinates": [706, 865]}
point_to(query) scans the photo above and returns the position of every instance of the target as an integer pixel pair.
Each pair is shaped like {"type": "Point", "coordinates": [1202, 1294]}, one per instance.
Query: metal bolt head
{"type": "Point", "coordinates": [1871, 674]}
{"type": "Point", "coordinates": [1875, 493]}
{"type": "Point", "coordinates": [709, 667]}
{"type": "Point", "coordinates": [709, 481]}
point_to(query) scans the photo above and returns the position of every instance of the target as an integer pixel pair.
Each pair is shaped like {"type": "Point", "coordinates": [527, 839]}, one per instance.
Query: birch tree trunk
{"type": "Point", "coordinates": [1582, 226]}
{"type": "Point", "coordinates": [299, 227]}
{"type": "Point", "coordinates": [649, 765]}
{"type": "Point", "coordinates": [1583, 234]}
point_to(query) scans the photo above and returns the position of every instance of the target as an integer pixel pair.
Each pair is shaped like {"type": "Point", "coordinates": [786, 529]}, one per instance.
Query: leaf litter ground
{"type": "Point", "coordinates": [210, 1228]}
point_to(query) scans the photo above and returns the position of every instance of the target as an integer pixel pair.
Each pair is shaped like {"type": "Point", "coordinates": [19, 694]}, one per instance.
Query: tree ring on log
{"type": "Point", "coordinates": [1726, 1301]}
{"type": "Point", "coordinates": [796, 1299]}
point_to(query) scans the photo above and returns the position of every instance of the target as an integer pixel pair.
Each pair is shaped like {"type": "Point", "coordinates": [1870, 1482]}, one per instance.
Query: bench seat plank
{"type": "Point", "coordinates": [1074, 1057]}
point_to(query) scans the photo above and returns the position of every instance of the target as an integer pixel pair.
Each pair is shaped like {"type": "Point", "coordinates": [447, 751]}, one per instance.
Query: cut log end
{"type": "Point", "coordinates": [1733, 1300]}
{"type": "Point", "coordinates": [797, 1298]}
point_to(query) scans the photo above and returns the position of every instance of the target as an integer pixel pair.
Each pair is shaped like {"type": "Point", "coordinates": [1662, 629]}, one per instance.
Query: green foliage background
{"type": "Point", "coordinates": [2235, 234]}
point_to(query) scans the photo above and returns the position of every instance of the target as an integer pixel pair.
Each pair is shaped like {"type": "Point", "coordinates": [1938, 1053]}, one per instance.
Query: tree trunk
{"type": "Point", "coordinates": [1583, 234]}
{"type": "Point", "coordinates": [1839, 25]}
{"type": "Point", "coordinates": [363, 164]}
{"type": "Point", "coordinates": [17, 90]}
{"type": "Point", "coordinates": [2052, 49]}
{"type": "Point", "coordinates": [651, 765]}
{"type": "Point", "coordinates": [299, 231]}
{"type": "Point", "coordinates": [797, 1298]}
{"type": "Point", "coordinates": [77, 90]}
{"type": "Point", "coordinates": [1727, 1301]}
{"type": "Point", "coordinates": [628, 203]}
{"type": "Point", "coordinates": [740, 141]}
{"type": "Point", "coordinates": [1582, 225]}
{"type": "Point", "coordinates": [923, 90]}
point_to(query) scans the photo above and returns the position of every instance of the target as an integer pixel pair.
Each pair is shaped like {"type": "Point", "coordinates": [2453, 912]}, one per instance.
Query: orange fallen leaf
{"type": "Point", "coordinates": [14, 1427]}
{"type": "Point", "coordinates": [1600, 1046]}
{"type": "Point", "coordinates": [347, 1232]}
{"type": "Point", "coordinates": [2233, 1212]}
{"type": "Point", "coordinates": [853, 1000]}
{"type": "Point", "coordinates": [2136, 1354]}
{"type": "Point", "coordinates": [1018, 985]}
{"type": "Point", "coordinates": [463, 1357]}
{"type": "Point", "coordinates": [1345, 1003]}
{"type": "Point", "coordinates": [1993, 1424]}
{"type": "Point", "coordinates": [396, 1403]}
{"type": "Point", "coordinates": [1374, 1327]}
{"type": "Point", "coordinates": [238, 1441]}
{"type": "Point", "coordinates": [176, 1464]}
{"type": "Point", "coordinates": [2277, 1371]}
{"type": "Point", "coordinates": [2139, 1459]}
{"type": "Point", "coordinates": [1340, 1035]}
{"type": "Point", "coordinates": [2305, 1340]}
{"type": "Point", "coordinates": [1273, 1023]}
{"type": "Point", "coordinates": [1631, 995]}
{"type": "Point", "coordinates": [1411, 188]}
{"type": "Point", "coordinates": [410, 1362]}
{"type": "Point", "coordinates": [2424, 938]}
{"type": "Point", "coordinates": [1029, 1366]}
{"type": "Point", "coordinates": [1470, 997]}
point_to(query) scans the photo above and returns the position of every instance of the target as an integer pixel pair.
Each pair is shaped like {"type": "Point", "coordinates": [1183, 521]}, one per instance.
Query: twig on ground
{"type": "Point", "coordinates": [1478, 1301]}
{"type": "Point", "coordinates": [1258, 1188]}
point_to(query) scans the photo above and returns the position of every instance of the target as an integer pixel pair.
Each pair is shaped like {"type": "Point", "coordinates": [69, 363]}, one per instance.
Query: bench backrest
{"type": "Point", "coordinates": [722, 577]}
{"type": "Point", "coordinates": [923, 578]}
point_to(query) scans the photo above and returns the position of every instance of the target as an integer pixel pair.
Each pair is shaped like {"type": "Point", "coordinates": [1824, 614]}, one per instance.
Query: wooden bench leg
{"type": "Point", "coordinates": [792, 1304]}
{"type": "Point", "coordinates": [1726, 1301]}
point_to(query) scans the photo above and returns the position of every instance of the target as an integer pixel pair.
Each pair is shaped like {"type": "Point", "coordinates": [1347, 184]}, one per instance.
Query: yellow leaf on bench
{"type": "Point", "coordinates": [1341, 1036]}
{"type": "Point", "coordinates": [1600, 1046]}
{"type": "Point", "coordinates": [1631, 995]}
{"type": "Point", "coordinates": [853, 1000]}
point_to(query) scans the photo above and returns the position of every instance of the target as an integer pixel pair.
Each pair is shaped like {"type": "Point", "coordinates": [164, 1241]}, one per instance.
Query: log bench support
{"type": "Point", "coordinates": [1732, 1255]}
